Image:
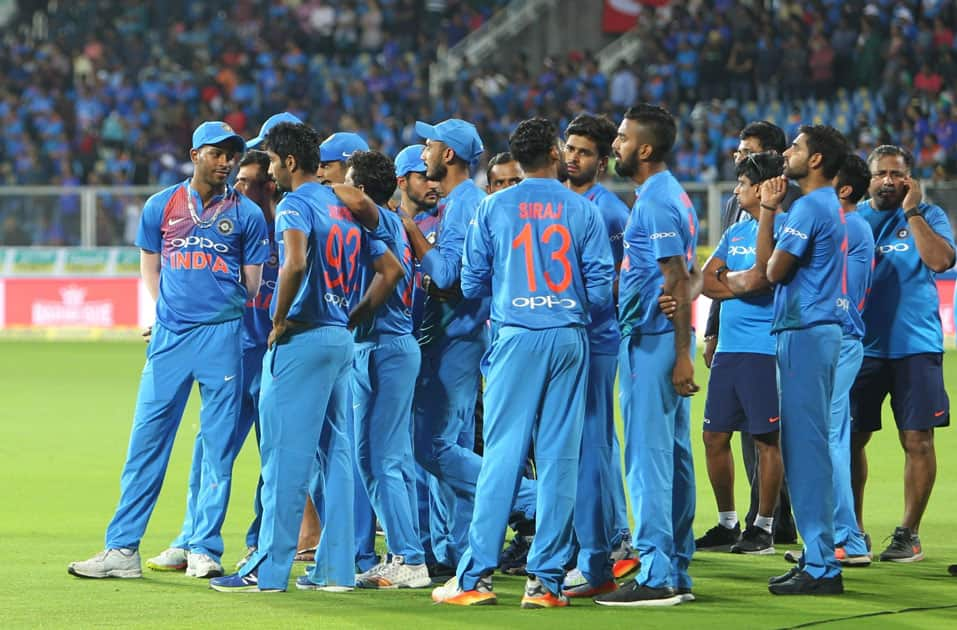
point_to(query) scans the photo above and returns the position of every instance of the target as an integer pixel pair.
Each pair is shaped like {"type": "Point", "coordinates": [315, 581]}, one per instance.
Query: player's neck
{"type": "Point", "coordinates": [847, 206]}
{"type": "Point", "coordinates": [452, 179]}
{"type": "Point", "coordinates": [813, 182]}
{"type": "Point", "coordinates": [409, 208]}
{"type": "Point", "coordinates": [546, 172]}
{"type": "Point", "coordinates": [300, 178]}
{"type": "Point", "coordinates": [582, 189]}
{"type": "Point", "coordinates": [205, 190]}
{"type": "Point", "coordinates": [646, 170]}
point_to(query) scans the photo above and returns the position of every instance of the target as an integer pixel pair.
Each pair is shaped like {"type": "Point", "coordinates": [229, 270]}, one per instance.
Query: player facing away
{"type": "Point", "coordinates": [655, 362]}
{"type": "Point", "coordinates": [202, 250]}
{"type": "Point", "coordinates": [453, 337]}
{"type": "Point", "coordinates": [541, 252]}
{"type": "Point", "coordinates": [254, 182]}
{"type": "Point", "coordinates": [903, 339]}
{"type": "Point", "coordinates": [742, 389]}
{"type": "Point", "coordinates": [806, 265]}
{"type": "Point", "coordinates": [386, 356]}
{"type": "Point", "coordinates": [303, 403]}
{"type": "Point", "coordinates": [601, 517]}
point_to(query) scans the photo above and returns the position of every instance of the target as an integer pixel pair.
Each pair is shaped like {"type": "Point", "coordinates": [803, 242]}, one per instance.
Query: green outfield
{"type": "Point", "coordinates": [66, 419]}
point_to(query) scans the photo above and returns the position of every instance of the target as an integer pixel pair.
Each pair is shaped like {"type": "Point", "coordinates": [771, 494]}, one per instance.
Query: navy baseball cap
{"type": "Point", "coordinates": [271, 122]}
{"type": "Point", "coordinates": [216, 131]}
{"type": "Point", "coordinates": [409, 160]}
{"type": "Point", "coordinates": [460, 136]}
{"type": "Point", "coordinates": [340, 146]}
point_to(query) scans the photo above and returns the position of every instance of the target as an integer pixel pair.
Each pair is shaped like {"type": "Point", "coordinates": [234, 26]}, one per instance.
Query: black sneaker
{"type": "Point", "coordinates": [718, 538]}
{"type": "Point", "coordinates": [515, 556]}
{"type": "Point", "coordinates": [779, 579]}
{"type": "Point", "coordinates": [803, 584]}
{"type": "Point", "coordinates": [754, 541]}
{"type": "Point", "coordinates": [685, 594]}
{"type": "Point", "coordinates": [631, 594]}
{"type": "Point", "coordinates": [440, 573]}
{"type": "Point", "coordinates": [785, 534]}
{"type": "Point", "coordinates": [904, 547]}
{"type": "Point", "coordinates": [952, 569]}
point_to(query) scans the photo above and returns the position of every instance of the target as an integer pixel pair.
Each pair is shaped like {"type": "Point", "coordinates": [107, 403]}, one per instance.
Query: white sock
{"type": "Point", "coordinates": [764, 522]}
{"type": "Point", "coordinates": [728, 519]}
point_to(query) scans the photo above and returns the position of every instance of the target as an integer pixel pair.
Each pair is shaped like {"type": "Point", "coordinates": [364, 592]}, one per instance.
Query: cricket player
{"type": "Point", "coordinates": [541, 251]}
{"type": "Point", "coordinates": [202, 249]}
{"type": "Point", "coordinates": [304, 401]}
{"type": "Point", "coordinates": [806, 265]}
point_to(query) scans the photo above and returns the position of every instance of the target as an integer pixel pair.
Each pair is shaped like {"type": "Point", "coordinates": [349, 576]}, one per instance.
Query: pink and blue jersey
{"type": "Point", "coordinates": [663, 224]}
{"type": "Point", "coordinates": [860, 265]}
{"type": "Point", "coordinates": [813, 232]}
{"type": "Point", "coordinates": [334, 259]}
{"type": "Point", "coordinates": [201, 267]}
{"type": "Point", "coordinates": [604, 334]}
{"type": "Point", "coordinates": [541, 251]}
{"type": "Point", "coordinates": [901, 316]}
{"type": "Point", "coordinates": [395, 316]}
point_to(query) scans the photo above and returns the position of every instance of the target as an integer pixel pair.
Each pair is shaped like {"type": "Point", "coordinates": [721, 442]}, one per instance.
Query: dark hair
{"type": "Point", "coordinates": [767, 133]}
{"type": "Point", "coordinates": [759, 167]}
{"type": "Point", "coordinates": [830, 143]}
{"type": "Point", "coordinates": [660, 123]}
{"type": "Point", "coordinates": [259, 158]}
{"type": "Point", "coordinates": [375, 173]}
{"type": "Point", "coordinates": [894, 150]}
{"type": "Point", "coordinates": [298, 140]}
{"type": "Point", "coordinates": [598, 129]}
{"type": "Point", "coordinates": [499, 158]}
{"type": "Point", "coordinates": [531, 142]}
{"type": "Point", "coordinates": [854, 173]}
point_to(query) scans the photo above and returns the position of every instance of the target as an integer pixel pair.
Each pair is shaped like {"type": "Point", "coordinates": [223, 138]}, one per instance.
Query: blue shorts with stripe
{"type": "Point", "coordinates": [742, 394]}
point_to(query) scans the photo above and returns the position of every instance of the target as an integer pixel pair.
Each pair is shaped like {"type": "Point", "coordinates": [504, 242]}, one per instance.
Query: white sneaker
{"type": "Point", "coordinates": [396, 574]}
{"type": "Point", "coordinates": [118, 563]}
{"type": "Point", "coordinates": [172, 559]}
{"type": "Point", "coordinates": [199, 565]}
{"type": "Point", "coordinates": [447, 591]}
{"type": "Point", "coordinates": [574, 578]}
{"type": "Point", "coordinates": [242, 561]}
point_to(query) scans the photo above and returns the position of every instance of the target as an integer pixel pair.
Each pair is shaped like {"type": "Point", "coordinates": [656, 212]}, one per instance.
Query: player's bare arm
{"type": "Point", "coordinates": [772, 192]}
{"type": "Point", "coordinates": [388, 273]}
{"type": "Point", "coordinates": [252, 279]}
{"type": "Point", "coordinates": [359, 204]}
{"type": "Point", "coordinates": [933, 249]}
{"type": "Point", "coordinates": [678, 284]}
{"type": "Point", "coordinates": [290, 279]}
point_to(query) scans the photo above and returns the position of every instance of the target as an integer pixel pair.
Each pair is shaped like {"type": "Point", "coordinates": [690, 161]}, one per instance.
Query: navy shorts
{"type": "Point", "coordinates": [916, 385]}
{"type": "Point", "coordinates": [742, 394]}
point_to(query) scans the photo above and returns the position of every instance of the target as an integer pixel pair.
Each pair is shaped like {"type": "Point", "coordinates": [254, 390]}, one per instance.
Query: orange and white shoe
{"type": "Point", "coordinates": [450, 593]}
{"type": "Point", "coordinates": [624, 559]}
{"type": "Point", "coordinates": [537, 596]}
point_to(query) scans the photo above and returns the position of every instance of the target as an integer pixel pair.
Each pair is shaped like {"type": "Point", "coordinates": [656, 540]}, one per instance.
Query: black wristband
{"type": "Point", "coordinates": [717, 272]}
{"type": "Point", "coordinates": [767, 207]}
{"type": "Point", "coordinates": [913, 212]}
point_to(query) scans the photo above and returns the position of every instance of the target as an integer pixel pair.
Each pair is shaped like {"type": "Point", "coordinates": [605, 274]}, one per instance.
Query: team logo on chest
{"type": "Point", "coordinates": [902, 233]}
{"type": "Point", "coordinates": [225, 226]}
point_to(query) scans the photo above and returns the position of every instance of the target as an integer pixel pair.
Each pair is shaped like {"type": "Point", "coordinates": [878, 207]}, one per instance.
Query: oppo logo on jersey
{"type": "Point", "coordinates": [337, 300]}
{"type": "Point", "coordinates": [539, 210]}
{"type": "Point", "coordinates": [896, 247]}
{"type": "Point", "coordinates": [658, 235]}
{"type": "Point", "coordinates": [543, 301]}
{"type": "Point", "coordinates": [800, 235]}
{"type": "Point", "coordinates": [741, 250]}
{"type": "Point", "coordinates": [844, 304]}
{"type": "Point", "coordinates": [199, 241]}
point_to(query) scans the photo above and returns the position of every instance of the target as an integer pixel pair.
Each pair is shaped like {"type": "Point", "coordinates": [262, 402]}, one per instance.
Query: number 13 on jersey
{"type": "Point", "coordinates": [554, 236]}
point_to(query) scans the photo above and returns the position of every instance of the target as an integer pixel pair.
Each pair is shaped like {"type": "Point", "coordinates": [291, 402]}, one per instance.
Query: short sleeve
{"type": "Point", "coordinates": [664, 226]}
{"type": "Point", "coordinates": [937, 219]}
{"type": "Point", "coordinates": [255, 235]}
{"type": "Point", "coordinates": [149, 236]}
{"type": "Point", "coordinates": [794, 235]}
{"type": "Point", "coordinates": [376, 247]}
{"type": "Point", "coordinates": [291, 214]}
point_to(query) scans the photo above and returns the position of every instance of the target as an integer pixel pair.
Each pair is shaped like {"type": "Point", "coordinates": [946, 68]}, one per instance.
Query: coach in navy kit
{"type": "Point", "coordinates": [807, 266]}
{"type": "Point", "coordinates": [203, 246]}
{"type": "Point", "coordinates": [903, 338]}
{"type": "Point", "coordinates": [541, 252]}
{"type": "Point", "coordinates": [655, 362]}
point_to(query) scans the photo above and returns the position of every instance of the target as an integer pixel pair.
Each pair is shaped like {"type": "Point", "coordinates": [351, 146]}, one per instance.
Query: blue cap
{"type": "Point", "coordinates": [460, 136]}
{"type": "Point", "coordinates": [216, 131]}
{"type": "Point", "coordinates": [271, 122]}
{"type": "Point", "coordinates": [340, 146]}
{"type": "Point", "coordinates": [409, 160]}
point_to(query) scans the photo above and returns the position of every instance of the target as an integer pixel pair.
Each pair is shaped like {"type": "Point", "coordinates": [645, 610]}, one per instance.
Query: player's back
{"type": "Point", "coordinates": [330, 285]}
{"type": "Point", "coordinates": [858, 271]}
{"type": "Point", "coordinates": [546, 253]}
{"type": "Point", "coordinates": [395, 316]}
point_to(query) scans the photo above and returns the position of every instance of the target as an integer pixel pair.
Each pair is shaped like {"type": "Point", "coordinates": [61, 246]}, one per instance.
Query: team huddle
{"type": "Point", "coordinates": [446, 365]}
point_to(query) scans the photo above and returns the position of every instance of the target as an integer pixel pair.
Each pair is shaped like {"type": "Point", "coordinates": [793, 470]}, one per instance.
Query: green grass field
{"type": "Point", "coordinates": [65, 429]}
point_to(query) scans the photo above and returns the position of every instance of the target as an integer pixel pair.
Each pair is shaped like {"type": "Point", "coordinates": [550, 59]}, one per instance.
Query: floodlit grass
{"type": "Point", "coordinates": [66, 419]}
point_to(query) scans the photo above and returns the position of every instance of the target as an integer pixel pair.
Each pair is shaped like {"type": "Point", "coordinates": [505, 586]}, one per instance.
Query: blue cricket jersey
{"type": "Point", "coordinates": [860, 264]}
{"type": "Point", "coordinates": [901, 316]}
{"type": "Point", "coordinates": [541, 251]}
{"type": "Point", "coordinates": [428, 223]}
{"type": "Point", "coordinates": [257, 323]}
{"type": "Point", "coordinates": [395, 316]}
{"type": "Point", "coordinates": [201, 267]}
{"type": "Point", "coordinates": [443, 264]}
{"type": "Point", "coordinates": [745, 322]}
{"type": "Point", "coordinates": [335, 250]}
{"type": "Point", "coordinates": [663, 223]}
{"type": "Point", "coordinates": [604, 334]}
{"type": "Point", "coordinates": [813, 232]}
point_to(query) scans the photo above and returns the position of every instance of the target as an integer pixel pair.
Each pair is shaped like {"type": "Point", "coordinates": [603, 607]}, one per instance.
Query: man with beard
{"type": "Point", "coordinates": [903, 338]}
{"type": "Point", "coordinates": [601, 517]}
{"type": "Point", "coordinates": [541, 252]}
{"type": "Point", "coordinates": [806, 265]}
{"type": "Point", "coordinates": [453, 335]}
{"type": "Point", "coordinates": [655, 357]}
{"type": "Point", "coordinates": [207, 243]}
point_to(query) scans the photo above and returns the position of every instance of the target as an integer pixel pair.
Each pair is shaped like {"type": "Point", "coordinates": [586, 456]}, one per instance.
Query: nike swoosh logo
{"type": "Point", "coordinates": [229, 378]}
{"type": "Point", "coordinates": [736, 239]}
{"type": "Point", "coordinates": [940, 413]}
{"type": "Point", "coordinates": [346, 155]}
{"type": "Point", "coordinates": [774, 419]}
{"type": "Point", "coordinates": [175, 221]}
